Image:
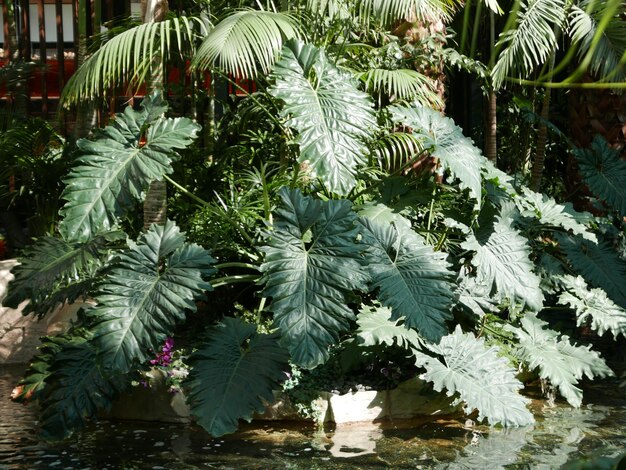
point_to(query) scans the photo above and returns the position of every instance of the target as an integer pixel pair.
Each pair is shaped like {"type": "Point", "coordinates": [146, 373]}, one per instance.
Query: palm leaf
{"type": "Point", "coordinates": [593, 306]}
{"type": "Point", "coordinates": [606, 56]}
{"type": "Point", "coordinates": [530, 41]}
{"type": "Point", "coordinates": [502, 262]}
{"type": "Point", "coordinates": [146, 293]}
{"type": "Point", "coordinates": [246, 43]}
{"type": "Point", "coordinates": [233, 375]}
{"type": "Point", "coordinates": [598, 264]}
{"type": "Point", "coordinates": [333, 118]}
{"type": "Point", "coordinates": [604, 172]}
{"type": "Point", "coordinates": [560, 362]}
{"type": "Point", "coordinates": [115, 168]}
{"type": "Point", "coordinates": [445, 141]}
{"type": "Point", "coordinates": [311, 262]}
{"type": "Point", "coordinates": [402, 85]}
{"type": "Point", "coordinates": [412, 278]}
{"type": "Point", "coordinates": [52, 263]}
{"type": "Point", "coordinates": [483, 380]}
{"type": "Point", "coordinates": [397, 150]}
{"type": "Point", "coordinates": [391, 11]}
{"type": "Point", "coordinates": [126, 58]}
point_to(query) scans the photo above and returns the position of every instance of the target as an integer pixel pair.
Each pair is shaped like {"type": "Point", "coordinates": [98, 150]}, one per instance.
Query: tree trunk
{"type": "Point", "coordinates": [155, 204]}
{"type": "Point", "coordinates": [542, 138]}
{"type": "Point", "coordinates": [86, 111]}
{"type": "Point", "coordinates": [491, 128]}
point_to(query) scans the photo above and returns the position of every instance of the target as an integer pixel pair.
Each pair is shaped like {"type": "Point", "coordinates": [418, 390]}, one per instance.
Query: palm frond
{"type": "Point", "coordinates": [397, 150]}
{"type": "Point", "coordinates": [389, 11]}
{"type": "Point", "coordinates": [402, 84]}
{"type": "Point", "coordinates": [126, 58]}
{"type": "Point", "coordinates": [531, 41]}
{"type": "Point", "coordinates": [607, 54]}
{"type": "Point", "coordinates": [246, 43]}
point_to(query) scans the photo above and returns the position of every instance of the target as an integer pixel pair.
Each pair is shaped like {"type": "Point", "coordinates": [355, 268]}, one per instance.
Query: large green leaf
{"type": "Point", "coordinates": [483, 380]}
{"type": "Point", "coordinates": [593, 306]}
{"type": "Point", "coordinates": [377, 327]}
{"type": "Point", "coordinates": [598, 264]}
{"type": "Point", "coordinates": [412, 278]}
{"type": "Point", "coordinates": [445, 141]}
{"type": "Point", "coordinates": [51, 264]}
{"type": "Point", "coordinates": [233, 375]}
{"type": "Point", "coordinates": [145, 294]}
{"type": "Point", "coordinates": [475, 296]}
{"type": "Point", "coordinates": [33, 382]}
{"type": "Point", "coordinates": [502, 262]}
{"type": "Point", "coordinates": [560, 362]}
{"type": "Point", "coordinates": [246, 43]}
{"type": "Point", "coordinates": [332, 116]}
{"type": "Point", "coordinates": [115, 168]}
{"type": "Point", "coordinates": [604, 172]}
{"type": "Point", "coordinates": [312, 261]}
{"type": "Point", "coordinates": [75, 390]}
{"type": "Point", "coordinates": [530, 41]}
{"type": "Point", "coordinates": [550, 213]}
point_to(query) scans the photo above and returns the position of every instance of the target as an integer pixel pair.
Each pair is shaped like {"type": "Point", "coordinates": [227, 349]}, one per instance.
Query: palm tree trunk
{"type": "Point", "coordinates": [491, 128]}
{"type": "Point", "coordinates": [85, 112]}
{"type": "Point", "coordinates": [155, 204]}
{"type": "Point", "coordinates": [542, 138]}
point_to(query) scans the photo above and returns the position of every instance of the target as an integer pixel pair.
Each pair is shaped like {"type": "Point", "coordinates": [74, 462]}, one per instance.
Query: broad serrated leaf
{"type": "Point", "coordinates": [382, 214]}
{"type": "Point", "coordinates": [377, 327]}
{"type": "Point", "coordinates": [559, 361]}
{"type": "Point", "coordinates": [312, 261]}
{"type": "Point", "coordinates": [598, 264]}
{"type": "Point", "coordinates": [233, 375]}
{"type": "Point", "coordinates": [412, 278]}
{"type": "Point", "coordinates": [145, 294]}
{"type": "Point", "coordinates": [604, 172]}
{"type": "Point", "coordinates": [75, 390]}
{"type": "Point", "coordinates": [483, 380]}
{"type": "Point", "coordinates": [502, 262]}
{"type": "Point", "coordinates": [475, 296]}
{"type": "Point", "coordinates": [593, 306]}
{"type": "Point", "coordinates": [549, 212]}
{"type": "Point", "coordinates": [445, 141]}
{"type": "Point", "coordinates": [33, 383]}
{"type": "Point", "coordinates": [50, 265]}
{"type": "Point", "coordinates": [116, 168]}
{"type": "Point", "coordinates": [332, 116]}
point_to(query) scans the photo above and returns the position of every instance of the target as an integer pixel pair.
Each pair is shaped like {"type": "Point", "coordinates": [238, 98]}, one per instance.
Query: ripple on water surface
{"type": "Point", "coordinates": [560, 434]}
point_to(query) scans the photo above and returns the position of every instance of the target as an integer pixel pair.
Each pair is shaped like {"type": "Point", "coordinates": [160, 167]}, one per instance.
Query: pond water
{"type": "Point", "coordinates": [560, 435]}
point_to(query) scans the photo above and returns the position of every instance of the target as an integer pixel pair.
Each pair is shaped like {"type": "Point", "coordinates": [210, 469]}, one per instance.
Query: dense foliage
{"type": "Point", "coordinates": [355, 214]}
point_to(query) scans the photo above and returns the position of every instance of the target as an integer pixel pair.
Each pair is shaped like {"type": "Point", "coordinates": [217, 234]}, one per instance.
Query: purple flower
{"type": "Point", "coordinates": [164, 358]}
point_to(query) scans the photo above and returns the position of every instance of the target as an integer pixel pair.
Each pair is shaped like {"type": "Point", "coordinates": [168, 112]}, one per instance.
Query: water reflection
{"type": "Point", "coordinates": [560, 434]}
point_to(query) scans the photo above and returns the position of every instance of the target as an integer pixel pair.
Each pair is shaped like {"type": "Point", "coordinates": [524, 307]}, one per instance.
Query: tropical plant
{"type": "Point", "coordinates": [456, 265]}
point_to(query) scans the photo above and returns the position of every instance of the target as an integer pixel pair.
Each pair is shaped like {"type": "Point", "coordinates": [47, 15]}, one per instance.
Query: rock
{"type": "Point", "coordinates": [359, 406]}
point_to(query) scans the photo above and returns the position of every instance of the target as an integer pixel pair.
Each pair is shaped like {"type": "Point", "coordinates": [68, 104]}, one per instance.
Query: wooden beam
{"type": "Point", "coordinates": [43, 58]}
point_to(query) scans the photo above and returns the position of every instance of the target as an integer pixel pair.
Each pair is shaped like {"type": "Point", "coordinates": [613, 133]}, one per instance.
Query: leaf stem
{"type": "Point", "coordinates": [236, 265]}
{"type": "Point", "coordinates": [240, 278]}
